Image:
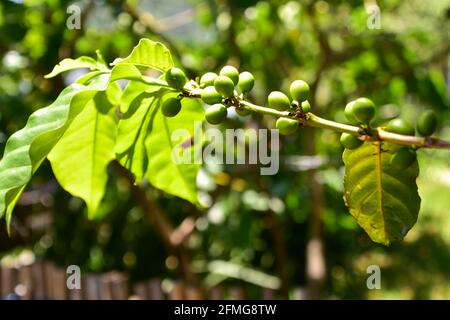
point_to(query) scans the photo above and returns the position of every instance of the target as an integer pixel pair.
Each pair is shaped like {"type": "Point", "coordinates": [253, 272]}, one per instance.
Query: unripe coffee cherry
{"type": "Point", "coordinates": [363, 110]}
{"type": "Point", "coordinates": [208, 79]}
{"type": "Point", "coordinates": [400, 126]}
{"type": "Point", "coordinates": [242, 112]}
{"type": "Point", "coordinates": [278, 100]}
{"type": "Point", "coordinates": [230, 72]}
{"type": "Point", "coordinates": [286, 125]}
{"type": "Point", "coordinates": [403, 158]}
{"type": "Point", "coordinates": [426, 123]}
{"type": "Point", "coordinates": [306, 107]}
{"type": "Point", "coordinates": [246, 82]}
{"type": "Point", "coordinates": [224, 86]}
{"type": "Point", "coordinates": [348, 111]}
{"type": "Point", "coordinates": [211, 96]}
{"type": "Point", "coordinates": [171, 107]}
{"type": "Point", "coordinates": [299, 90]}
{"type": "Point", "coordinates": [176, 78]}
{"type": "Point", "coordinates": [216, 113]}
{"type": "Point", "coordinates": [349, 141]}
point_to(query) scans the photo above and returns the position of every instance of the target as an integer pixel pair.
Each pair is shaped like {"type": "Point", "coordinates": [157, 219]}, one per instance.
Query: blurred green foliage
{"type": "Point", "coordinates": [403, 66]}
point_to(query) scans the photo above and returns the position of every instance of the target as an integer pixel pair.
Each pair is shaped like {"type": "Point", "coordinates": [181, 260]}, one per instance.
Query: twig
{"type": "Point", "coordinates": [163, 225]}
{"type": "Point", "coordinates": [280, 251]}
{"type": "Point", "coordinates": [426, 142]}
{"type": "Point", "coordinates": [315, 253]}
{"type": "Point", "coordinates": [182, 232]}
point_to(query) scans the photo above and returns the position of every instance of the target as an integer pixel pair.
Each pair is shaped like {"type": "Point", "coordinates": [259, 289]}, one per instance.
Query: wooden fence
{"type": "Point", "coordinates": [44, 280]}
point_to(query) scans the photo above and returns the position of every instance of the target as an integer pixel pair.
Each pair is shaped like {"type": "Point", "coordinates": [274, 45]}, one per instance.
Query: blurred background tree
{"type": "Point", "coordinates": [293, 227]}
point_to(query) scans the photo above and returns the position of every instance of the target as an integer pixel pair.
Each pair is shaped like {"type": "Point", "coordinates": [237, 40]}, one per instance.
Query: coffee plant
{"type": "Point", "coordinates": [94, 121]}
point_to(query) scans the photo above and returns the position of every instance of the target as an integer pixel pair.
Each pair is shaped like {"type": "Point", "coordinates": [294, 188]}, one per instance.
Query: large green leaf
{"type": "Point", "coordinates": [126, 71]}
{"type": "Point", "coordinates": [149, 54]}
{"type": "Point", "coordinates": [133, 129]}
{"type": "Point", "coordinates": [81, 157]}
{"type": "Point", "coordinates": [383, 199]}
{"type": "Point", "coordinates": [89, 76]}
{"type": "Point", "coordinates": [163, 172]}
{"type": "Point", "coordinates": [70, 64]}
{"type": "Point", "coordinates": [129, 94]}
{"type": "Point", "coordinates": [137, 84]}
{"type": "Point", "coordinates": [130, 72]}
{"type": "Point", "coordinates": [26, 149]}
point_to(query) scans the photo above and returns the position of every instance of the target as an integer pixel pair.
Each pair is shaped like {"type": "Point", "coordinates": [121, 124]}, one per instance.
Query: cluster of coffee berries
{"type": "Point", "coordinates": [175, 78]}
{"type": "Point", "coordinates": [362, 110]}
{"type": "Point", "coordinates": [358, 112]}
{"type": "Point", "coordinates": [224, 89]}
{"type": "Point", "coordinates": [216, 88]}
{"type": "Point", "coordinates": [426, 125]}
{"type": "Point", "coordinates": [299, 91]}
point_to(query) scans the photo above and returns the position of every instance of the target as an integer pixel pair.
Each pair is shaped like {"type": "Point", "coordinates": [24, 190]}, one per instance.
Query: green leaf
{"type": "Point", "coordinates": [126, 71]}
{"type": "Point", "coordinates": [149, 54]}
{"type": "Point", "coordinates": [88, 77]}
{"type": "Point", "coordinates": [133, 129]}
{"type": "Point", "coordinates": [70, 64]}
{"type": "Point", "coordinates": [130, 72]}
{"type": "Point", "coordinates": [81, 157]}
{"type": "Point", "coordinates": [383, 200]}
{"type": "Point", "coordinates": [178, 179]}
{"type": "Point", "coordinates": [26, 149]}
{"type": "Point", "coordinates": [144, 141]}
{"type": "Point", "coordinates": [131, 92]}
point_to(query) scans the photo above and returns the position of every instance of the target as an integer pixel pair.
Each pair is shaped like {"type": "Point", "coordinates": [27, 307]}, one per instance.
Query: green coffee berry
{"type": "Point", "coordinates": [363, 110]}
{"type": "Point", "coordinates": [216, 113]}
{"type": "Point", "coordinates": [278, 100]}
{"type": "Point", "coordinates": [286, 125]}
{"type": "Point", "coordinates": [176, 78]}
{"type": "Point", "coordinates": [246, 82]}
{"type": "Point", "coordinates": [403, 158]}
{"type": "Point", "coordinates": [349, 141]}
{"type": "Point", "coordinates": [230, 72]}
{"type": "Point", "coordinates": [242, 112]}
{"type": "Point", "coordinates": [211, 96]}
{"type": "Point", "coordinates": [171, 107]}
{"type": "Point", "coordinates": [306, 107]}
{"type": "Point", "coordinates": [224, 86]}
{"type": "Point", "coordinates": [299, 90]}
{"type": "Point", "coordinates": [208, 79]}
{"type": "Point", "coordinates": [348, 111]}
{"type": "Point", "coordinates": [426, 123]}
{"type": "Point", "coordinates": [400, 126]}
